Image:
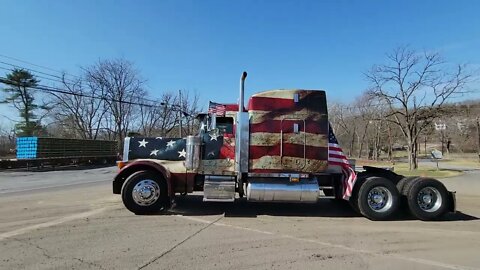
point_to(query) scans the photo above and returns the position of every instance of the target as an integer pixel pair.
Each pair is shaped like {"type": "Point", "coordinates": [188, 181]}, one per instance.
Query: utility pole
{"type": "Point", "coordinates": [180, 112]}
{"type": "Point", "coordinates": [441, 127]}
{"type": "Point", "coordinates": [425, 145]}
{"type": "Point", "coordinates": [478, 135]}
{"type": "Point", "coordinates": [443, 139]}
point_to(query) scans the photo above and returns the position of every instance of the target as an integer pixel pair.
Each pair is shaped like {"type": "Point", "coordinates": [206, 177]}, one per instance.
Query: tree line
{"type": "Point", "coordinates": [108, 100]}
{"type": "Point", "coordinates": [407, 95]}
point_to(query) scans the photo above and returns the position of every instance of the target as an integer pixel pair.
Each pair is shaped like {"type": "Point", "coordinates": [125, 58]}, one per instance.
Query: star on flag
{"type": "Point", "coordinates": [214, 136]}
{"type": "Point", "coordinates": [154, 152]}
{"type": "Point", "coordinates": [182, 153]}
{"type": "Point", "coordinates": [143, 143]}
{"type": "Point", "coordinates": [170, 143]}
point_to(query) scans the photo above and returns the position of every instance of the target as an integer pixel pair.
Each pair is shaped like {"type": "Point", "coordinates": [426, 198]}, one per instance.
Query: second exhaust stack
{"type": "Point", "coordinates": [241, 106]}
{"type": "Point", "coordinates": [242, 133]}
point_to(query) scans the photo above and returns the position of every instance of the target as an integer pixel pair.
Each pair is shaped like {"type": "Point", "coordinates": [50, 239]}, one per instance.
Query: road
{"type": "Point", "coordinates": [55, 220]}
{"type": "Point", "coordinates": [18, 181]}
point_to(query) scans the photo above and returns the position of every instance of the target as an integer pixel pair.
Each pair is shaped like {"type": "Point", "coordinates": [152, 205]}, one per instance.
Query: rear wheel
{"type": "Point", "coordinates": [427, 199]}
{"type": "Point", "coordinates": [404, 183]}
{"type": "Point", "coordinates": [145, 192]}
{"type": "Point", "coordinates": [378, 198]}
{"type": "Point", "coordinates": [354, 204]}
{"type": "Point", "coordinates": [328, 192]}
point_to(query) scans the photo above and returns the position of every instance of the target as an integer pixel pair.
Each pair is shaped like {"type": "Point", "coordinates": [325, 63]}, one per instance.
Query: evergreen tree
{"type": "Point", "coordinates": [20, 94]}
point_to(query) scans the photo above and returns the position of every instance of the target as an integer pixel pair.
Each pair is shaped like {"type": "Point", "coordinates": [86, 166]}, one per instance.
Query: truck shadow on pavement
{"type": "Point", "coordinates": [193, 205]}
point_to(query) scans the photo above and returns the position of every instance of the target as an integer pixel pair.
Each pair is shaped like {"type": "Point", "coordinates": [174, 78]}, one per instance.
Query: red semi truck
{"type": "Point", "coordinates": [280, 148]}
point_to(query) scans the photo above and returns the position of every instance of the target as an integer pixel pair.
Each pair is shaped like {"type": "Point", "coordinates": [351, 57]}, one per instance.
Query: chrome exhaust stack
{"type": "Point", "coordinates": [242, 134]}
{"type": "Point", "coordinates": [192, 158]}
{"type": "Point", "coordinates": [242, 92]}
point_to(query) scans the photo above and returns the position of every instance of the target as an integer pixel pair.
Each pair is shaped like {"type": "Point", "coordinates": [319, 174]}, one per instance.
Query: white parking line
{"type": "Point", "coordinates": [339, 246]}
{"type": "Point", "coordinates": [47, 224]}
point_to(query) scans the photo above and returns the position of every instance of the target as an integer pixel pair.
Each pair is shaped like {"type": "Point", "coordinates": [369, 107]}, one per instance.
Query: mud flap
{"type": "Point", "coordinates": [453, 201]}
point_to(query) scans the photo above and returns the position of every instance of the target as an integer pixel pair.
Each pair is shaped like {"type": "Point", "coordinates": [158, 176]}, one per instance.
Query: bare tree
{"type": "Point", "coordinates": [7, 141]}
{"type": "Point", "coordinates": [342, 119]}
{"type": "Point", "coordinates": [80, 106]}
{"type": "Point", "coordinates": [188, 111]}
{"type": "Point", "coordinates": [366, 113]}
{"type": "Point", "coordinates": [158, 118]}
{"type": "Point", "coordinates": [415, 86]}
{"type": "Point", "coordinates": [121, 84]}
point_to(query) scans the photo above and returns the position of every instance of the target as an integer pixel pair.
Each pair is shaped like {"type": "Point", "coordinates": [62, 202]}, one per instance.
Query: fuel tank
{"type": "Point", "coordinates": [282, 190]}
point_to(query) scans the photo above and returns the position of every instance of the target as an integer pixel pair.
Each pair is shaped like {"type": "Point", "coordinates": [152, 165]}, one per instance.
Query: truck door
{"type": "Point", "coordinates": [219, 148]}
{"type": "Point", "coordinates": [292, 144]}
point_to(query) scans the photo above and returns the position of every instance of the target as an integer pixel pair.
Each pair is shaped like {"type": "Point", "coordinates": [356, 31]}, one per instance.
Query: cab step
{"type": "Point", "coordinates": [219, 188]}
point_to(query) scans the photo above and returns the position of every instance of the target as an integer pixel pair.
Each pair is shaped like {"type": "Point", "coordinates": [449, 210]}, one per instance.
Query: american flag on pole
{"type": "Point", "coordinates": [336, 157]}
{"type": "Point", "coordinates": [216, 108]}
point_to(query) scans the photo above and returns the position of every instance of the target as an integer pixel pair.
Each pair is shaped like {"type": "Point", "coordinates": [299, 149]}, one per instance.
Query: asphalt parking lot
{"type": "Point", "coordinates": [71, 220]}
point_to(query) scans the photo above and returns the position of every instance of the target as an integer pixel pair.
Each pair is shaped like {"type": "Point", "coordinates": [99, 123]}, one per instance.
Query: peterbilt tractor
{"type": "Point", "coordinates": [279, 148]}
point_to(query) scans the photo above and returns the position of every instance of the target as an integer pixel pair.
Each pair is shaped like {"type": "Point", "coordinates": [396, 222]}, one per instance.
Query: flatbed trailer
{"type": "Point", "coordinates": [39, 152]}
{"type": "Point", "coordinates": [38, 163]}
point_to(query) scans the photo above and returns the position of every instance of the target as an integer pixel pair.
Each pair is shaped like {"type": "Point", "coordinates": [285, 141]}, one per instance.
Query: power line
{"type": "Point", "coordinates": [40, 72]}
{"type": "Point", "coordinates": [53, 89]}
{"type": "Point", "coordinates": [36, 65]}
{"type": "Point", "coordinates": [50, 89]}
{"type": "Point", "coordinates": [38, 76]}
{"type": "Point", "coordinates": [149, 100]}
{"type": "Point", "coordinates": [56, 80]}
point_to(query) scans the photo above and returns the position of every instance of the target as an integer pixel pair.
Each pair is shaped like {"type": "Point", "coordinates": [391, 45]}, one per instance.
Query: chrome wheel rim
{"type": "Point", "coordinates": [379, 199]}
{"type": "Point", "coordinates": [429, 199]}
{"type": "Point", "coordinates": [146, 192]}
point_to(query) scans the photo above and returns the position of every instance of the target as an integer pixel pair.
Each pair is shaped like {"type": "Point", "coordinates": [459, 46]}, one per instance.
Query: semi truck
{"type": "Point", "coordinates": [278, 148]}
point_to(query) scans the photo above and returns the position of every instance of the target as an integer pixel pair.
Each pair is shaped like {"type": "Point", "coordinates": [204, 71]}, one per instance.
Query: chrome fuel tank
{"type": "Point", "coordinates": [282, 190]}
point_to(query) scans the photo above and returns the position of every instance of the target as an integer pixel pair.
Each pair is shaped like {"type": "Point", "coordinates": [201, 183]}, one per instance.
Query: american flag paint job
{"type": "Point", "coordinates": [274, 146]}
{"type": "Point", "coordinates": [157, 148]}
{"type": "Point", "coordinates": [272, 139]}
{"type": "Point", "coordinates": [218, 152]}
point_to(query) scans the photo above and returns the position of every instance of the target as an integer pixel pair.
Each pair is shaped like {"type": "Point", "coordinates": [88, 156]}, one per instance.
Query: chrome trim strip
{"type": "Point", "coordinates": [241, 143]}
{"type": "Point", "coordinates": [126, 149]}
{"type": "Point", "coordinates": [282, 175]}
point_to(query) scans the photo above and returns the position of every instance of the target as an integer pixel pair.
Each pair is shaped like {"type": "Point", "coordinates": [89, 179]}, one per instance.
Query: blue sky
{"type": "Point", "coordinates": [204, 46]}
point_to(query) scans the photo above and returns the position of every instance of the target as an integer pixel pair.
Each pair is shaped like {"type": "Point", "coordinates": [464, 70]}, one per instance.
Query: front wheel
{"type": "Point", "coordinates": [378, 198]}
{"type": "Point", "coordinates": [427, 199]}
{"type": "Point", "coordinates": [145, 192]}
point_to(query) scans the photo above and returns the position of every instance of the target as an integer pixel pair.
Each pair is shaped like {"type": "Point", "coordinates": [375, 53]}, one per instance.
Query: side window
{"type": "Point", "coordinates": [225, 125]}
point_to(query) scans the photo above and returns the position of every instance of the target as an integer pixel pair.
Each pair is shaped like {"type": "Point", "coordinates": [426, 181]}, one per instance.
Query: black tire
{"type": "Point", "coordinates": [328, 192]}
{"type": "Point", "coordinates": [354, 204]}
{"type": "Point", "coordinates": [384, 190]}
{"type": "Point", "coordinates": [154, 206]}
{"type": "Point", "coordinates": [434, 205]}
{"type": "Point", "coordinates": [402, 184]}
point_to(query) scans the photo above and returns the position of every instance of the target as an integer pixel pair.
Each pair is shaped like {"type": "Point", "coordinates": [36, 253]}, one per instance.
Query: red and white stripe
{"type": "Point", "coordinates": [274, 145]}
{"type": "Point", "coordinates": [336, 157]}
